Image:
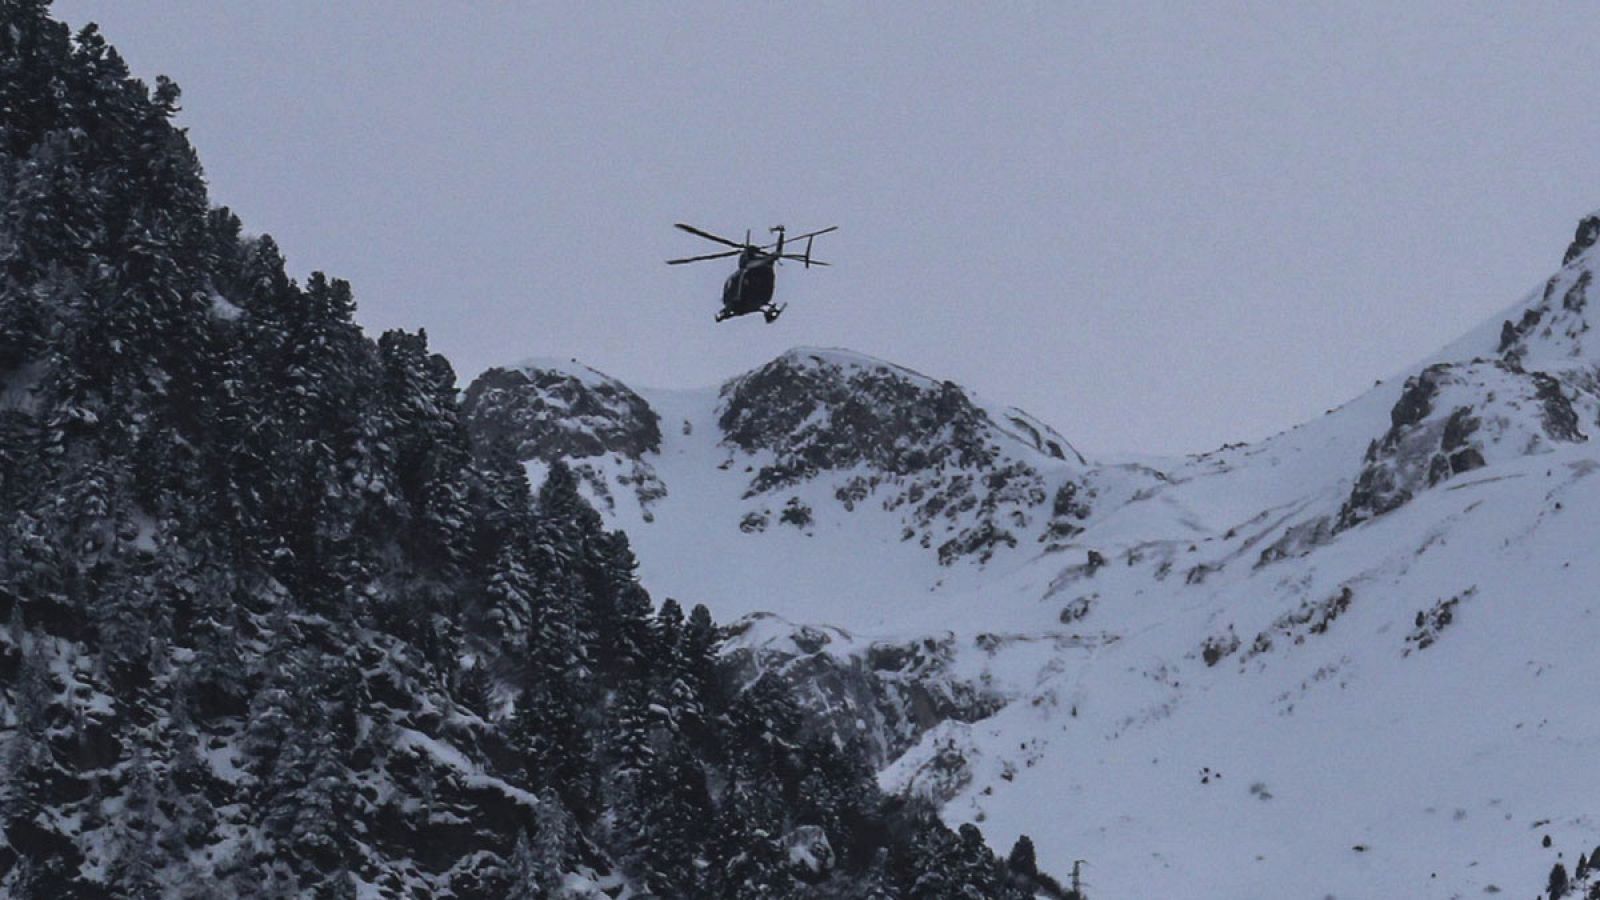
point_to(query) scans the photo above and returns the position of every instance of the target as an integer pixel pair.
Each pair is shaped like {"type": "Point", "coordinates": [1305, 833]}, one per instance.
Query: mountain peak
{"type": "Point", "coordinates": [844, 359]}
{"type": "Point", "coordinates": [1548, 329]}
{"type": "Point", "coordinates": [1588, 232]}
{"type": "Point", "coordinates": [560, 409]}
{"type": "Point", "coordinates": [572, 367]}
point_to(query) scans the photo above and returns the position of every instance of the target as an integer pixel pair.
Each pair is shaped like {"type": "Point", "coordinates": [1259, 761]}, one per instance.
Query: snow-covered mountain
{"type": "Point", "coordinates": [275, 625]}
{"type": "Point", "coordinates": [1349, 660]}
{"type": "Point", "coordinates": [814, 456]}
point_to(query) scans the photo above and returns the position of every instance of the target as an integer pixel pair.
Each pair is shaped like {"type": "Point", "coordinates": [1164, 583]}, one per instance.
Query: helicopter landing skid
{"type": "Point", "coordinates": [771, 312]}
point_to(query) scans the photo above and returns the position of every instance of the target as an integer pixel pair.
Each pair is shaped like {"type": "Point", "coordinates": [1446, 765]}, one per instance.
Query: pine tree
{"type": "Point", "coordinates": [552, 843]}
{"type": "Point", "coordinates": [631, 746]}
{"type": "Point", "coordinates": [747, 858]}
{"type": "Point", "coordinates": [312, 359]}
{"type": "Point", "coordinates": [700, 642]}
{"type": "Point", "coordinates": [273, 707]}
{"type": "Point", "coordinates": [218, 677]}
{"type": "Point", "coordinates": [977, 869]}
{"type": "Point", "coordinates": [620, 609]}
{"type": "Point", "coordinates": [499, 493]}
{"type": "Point", "coordinates": [669, 627]}
{"type": "Point", "coordinates": [526, 879]}
{"type": "Point", "coordinates": [763, 728]}
{"type": "Point", "coordinates": [305, 799]}
{"type": "Point", "coordinates": [675, 687]}
{"type": "Point", "coordinates": [476, 690]}
{"type": "Point", "coordinates": [509, 606]}
{"type": "Point", "coordinates": [136, 858]}
{"type": "Point", "coordinates": [561, 506]}
{"type": "Point", "coordinates": [27, 756]}
{"type": "Point", "coordinates": [192, 823]}
{"type": "Point", "coordinates": [1558, 884]}
{"type": "Point", "coordinates": [1022, 858]}
{"type": "Point", "coordinates": [430, 445]}
{"type": "Point", "coordinates": [878, 883]}
{"type": "Point", "coordinates": [554, 747]}
{"type": "Point", "coordinates": [675, 811]}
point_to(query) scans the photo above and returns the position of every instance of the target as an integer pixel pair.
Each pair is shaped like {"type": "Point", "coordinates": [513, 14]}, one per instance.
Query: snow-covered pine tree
{"type": "Point", "coordinates": [135, 856]}
{"type": "Point", "coordinates": [246, 553]}
{"type": "Point", "coordinates": [1022, 859]}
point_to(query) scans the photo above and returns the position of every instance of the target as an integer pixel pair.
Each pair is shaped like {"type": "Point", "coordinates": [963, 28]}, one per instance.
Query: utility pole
{"type": "Point", "coordinates": [1077, 881]}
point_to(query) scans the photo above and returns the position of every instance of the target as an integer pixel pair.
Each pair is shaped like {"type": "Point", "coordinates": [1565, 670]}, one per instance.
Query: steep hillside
{"type": "Point", "coordinates": [1348, 660]}
{"type": "Point", "coordinates": [275, 625]}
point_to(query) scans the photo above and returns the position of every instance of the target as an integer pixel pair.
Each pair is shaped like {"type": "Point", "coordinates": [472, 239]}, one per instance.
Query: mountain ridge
{"type": "Point", "coordinates": [1374, 552]}
{"type": "Point", "coordinates": [277, 625]}
{"type": "Point", "coordinates": [285, 614]}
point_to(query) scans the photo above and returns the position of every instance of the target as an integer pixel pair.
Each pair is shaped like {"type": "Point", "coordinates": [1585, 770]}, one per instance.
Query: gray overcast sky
{"type": "Point", "coordinates": [1158, 227]}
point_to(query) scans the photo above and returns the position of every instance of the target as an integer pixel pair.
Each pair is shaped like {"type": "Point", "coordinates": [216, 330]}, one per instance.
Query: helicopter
{"type": "Point", "coordinates": [749, 289]}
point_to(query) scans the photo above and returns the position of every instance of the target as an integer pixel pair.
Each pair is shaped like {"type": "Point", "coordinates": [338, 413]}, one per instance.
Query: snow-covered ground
{"type": "Point", "coordinates": [1351, 660]}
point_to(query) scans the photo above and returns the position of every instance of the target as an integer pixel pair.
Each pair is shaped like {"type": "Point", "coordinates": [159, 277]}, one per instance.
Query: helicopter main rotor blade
{"type": "Point", "coordinates": [707, 235]}
{"type": "Point", "coordinates": [798, 258]}
{"type": "Point", "coordinates": [800, 237]}
{"type": "Point", "coordinates": [690, 259]}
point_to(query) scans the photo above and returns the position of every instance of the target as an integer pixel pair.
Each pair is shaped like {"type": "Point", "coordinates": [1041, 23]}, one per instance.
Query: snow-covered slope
{"type": "Point", "coordinates": [1349, 660]}
{"type": "Point", "coordinates": [769, 485]}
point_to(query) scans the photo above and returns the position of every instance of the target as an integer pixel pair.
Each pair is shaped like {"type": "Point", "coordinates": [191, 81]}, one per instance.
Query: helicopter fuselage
{"type": "Point", "coordinates": [748, 290]}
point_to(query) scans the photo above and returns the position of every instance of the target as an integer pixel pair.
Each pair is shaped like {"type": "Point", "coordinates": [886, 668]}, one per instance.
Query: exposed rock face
{"type": "Point", "coordinates": [1455, 417]}
{"type": "Point", "coordinates": [1552, 332]}
{"type": "Point", "coordinates": [569, 412]}
{"type": "Point", "coordinates": [966, 483]}
{"type": "Point", "coordinates": [808, 852]}
{"type": "Point", "coordinates": [820, 412]}
{"type": "Point", "coordinates": [1588, 232]}
{"type": "Point", "coordinates": [1556, 320]}
{"type": "Point", "coordinates": [550, 411]}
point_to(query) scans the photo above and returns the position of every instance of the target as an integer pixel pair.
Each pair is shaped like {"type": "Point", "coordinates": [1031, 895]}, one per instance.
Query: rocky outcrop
{"type": "Point", "coordinates": [817, 411]}
{"type": "Point", "coordinates": [1551, 331]}
{"type": "Point", "coordinates": [1588, 232]}
{"type": "Point", "coordinates": [965, 484]}
{"type": "Point", "coordinates": [1453, 418]}
{"type": "Point", "coordinates": [549, 411]}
